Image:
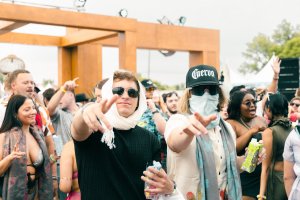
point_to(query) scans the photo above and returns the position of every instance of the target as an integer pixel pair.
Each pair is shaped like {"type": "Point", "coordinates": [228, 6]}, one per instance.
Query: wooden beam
{"type": "Point", "coordinates": [31, 39]}
{"type": "Point", "coordinates": [149, 36]}
{"type": "Point", "coordinates": [8, 26]}
{"type": "Point", "coordinates": [176, 38]}
{"type": "Point", "coordinates": [85, 36]}
{"type": "Point", "coordinates": [28, 14]}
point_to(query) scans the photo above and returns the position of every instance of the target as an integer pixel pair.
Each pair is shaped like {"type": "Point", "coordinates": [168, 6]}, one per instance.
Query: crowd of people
{"type": "Point", "coordinates": [58, 145]}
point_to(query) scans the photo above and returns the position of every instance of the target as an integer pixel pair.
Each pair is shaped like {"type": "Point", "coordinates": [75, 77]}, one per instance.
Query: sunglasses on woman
{"type": "Point", "coordinates": [248, 103]}
{"type": "Point", "coordinates": [131, 92]}
{"type": "Point", "coordinates": [199, 90]}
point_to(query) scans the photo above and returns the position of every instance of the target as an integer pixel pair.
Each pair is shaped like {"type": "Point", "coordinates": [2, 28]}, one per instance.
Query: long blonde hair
{"type": "Point", "coordinates": [183, 103]}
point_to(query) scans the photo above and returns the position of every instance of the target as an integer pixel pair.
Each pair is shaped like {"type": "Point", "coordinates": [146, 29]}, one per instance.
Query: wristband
{"type": "Point", "coordinates": [261, 196]}
{"type": "Point", "coordinates": [54, 177]}
{"type": "Point", "coordinates": [63, 89]}
{"type": "Point", "coordinates": [276, 78]}
{"type": "Point", "coordinates": [52, 158]}
{"type": "Point", "coordinates": [154, 112]}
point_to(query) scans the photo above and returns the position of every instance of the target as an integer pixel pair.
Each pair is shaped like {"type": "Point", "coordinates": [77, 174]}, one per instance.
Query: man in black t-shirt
{"type": "Point", "coordinates": [113, 169]}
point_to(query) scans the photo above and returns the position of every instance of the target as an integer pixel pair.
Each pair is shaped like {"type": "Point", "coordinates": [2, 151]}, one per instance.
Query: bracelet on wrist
{"type": "Point", "coordinates": [62, 89]}
{"type": "Point", "coordinates": [276, 78]}
{"type": "Point", "coordinates": [154, 112]}
{"type": "Point", "coordinates": [261, 196]}
{"type": "Point", "coordinates": [54, 177]}
{"type": "Point", "coordinates": [52, 158]}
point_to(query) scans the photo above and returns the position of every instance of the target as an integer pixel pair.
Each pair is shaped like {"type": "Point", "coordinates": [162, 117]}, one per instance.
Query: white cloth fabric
{"type": "Point", "coordinates": [116, 120]}
{"type": "Point", "coordinates": [291, 153]}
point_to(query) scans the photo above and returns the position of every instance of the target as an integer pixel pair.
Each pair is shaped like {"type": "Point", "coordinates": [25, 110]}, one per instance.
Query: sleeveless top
{"type": "Point", "coordinates": [280, 131]}
{"type": "Point", "coordinates": [275, 185]}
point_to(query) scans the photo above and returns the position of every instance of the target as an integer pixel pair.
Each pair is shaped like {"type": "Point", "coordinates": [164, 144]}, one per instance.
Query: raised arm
{"type": "Point", "coordinates": [54, 101]}
{"type": "Point", "coordinates": [276, 69]}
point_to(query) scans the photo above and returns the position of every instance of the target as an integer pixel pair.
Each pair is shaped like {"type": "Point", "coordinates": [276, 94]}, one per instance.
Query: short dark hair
{"type": "Point", "coordinates": [169, 94]}
{"type": "Point", "coordinates": [126, 75]}
{"type": "Point", "coordinates": [236, 88]}
{"type": "Point", "coordinates": [278, 105]}
{"type": "Point", "coordinates": [10, 118]}
{"type": "Point", "coordinates": [47, 94]}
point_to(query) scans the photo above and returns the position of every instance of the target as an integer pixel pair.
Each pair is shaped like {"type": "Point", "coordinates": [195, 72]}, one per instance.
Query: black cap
{"type": "Point", "coordinates": [36, 89]}
{"type": "Point", "coordinates": [202, 75]}
{"type": "Point", "coordinates": [81, 97]}
{"type": "Point", "coordinates": [147, 83]}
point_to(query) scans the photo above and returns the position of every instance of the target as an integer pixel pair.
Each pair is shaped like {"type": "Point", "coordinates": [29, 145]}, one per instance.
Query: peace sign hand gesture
{"type": "Point", "coordinates": [93, 115]}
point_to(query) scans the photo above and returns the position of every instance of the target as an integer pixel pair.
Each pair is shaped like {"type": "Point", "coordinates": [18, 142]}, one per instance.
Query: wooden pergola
{"type": "Point", "coordinates": [80, 50]}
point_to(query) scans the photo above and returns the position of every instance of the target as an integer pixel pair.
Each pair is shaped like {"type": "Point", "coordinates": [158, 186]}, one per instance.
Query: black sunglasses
{"type": "Point", "coordinates": [296, 104]}
{"type": "Point", "coordinates": [131, 92]}
{"type": "Point", "coordinates": [199, 90]}
{"type": "Point", "coordinates": [248, 103]}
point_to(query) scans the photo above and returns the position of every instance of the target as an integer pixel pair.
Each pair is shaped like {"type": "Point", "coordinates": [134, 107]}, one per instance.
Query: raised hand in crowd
{"type": "Point", "coordinates": [90, 117]}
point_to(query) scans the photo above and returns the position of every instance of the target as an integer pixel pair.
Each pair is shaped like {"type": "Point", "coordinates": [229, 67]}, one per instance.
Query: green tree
{"type": "Point", "coordinates": [291, 48]}
{"type": "Point", "coordinates": [258, 53]}
{"type": "Point", "coordinates": [47, 81]}
{"type": "Point", "coordinates": [284, 42]}
{"type": "Point", "coordinates": [284, 32]}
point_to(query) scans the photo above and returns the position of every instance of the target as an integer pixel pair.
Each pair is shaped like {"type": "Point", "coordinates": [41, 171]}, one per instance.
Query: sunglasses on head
{"type": "Point", "coordinates": [200, 89]}
{"type": "Point", "coordinates": [295, 104]}
{"type": "Point", "coordinates": [131, 92]}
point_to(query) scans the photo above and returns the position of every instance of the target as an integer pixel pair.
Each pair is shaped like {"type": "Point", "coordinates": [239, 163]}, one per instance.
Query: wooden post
{"type": "Point", "coordinates": [64, 65]}
{"type": "Point", "coordinates": [204, 57]}
{"type": "Point", "coordinates": [127, 51]}
{"type": "Point", "coordinates": [88, 67]}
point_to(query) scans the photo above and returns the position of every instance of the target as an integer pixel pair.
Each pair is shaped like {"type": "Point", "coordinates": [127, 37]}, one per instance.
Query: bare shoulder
{"type": "Point", "coordinates": [267, 132]}
{"type": "Point", "coordinates": [233, 123]}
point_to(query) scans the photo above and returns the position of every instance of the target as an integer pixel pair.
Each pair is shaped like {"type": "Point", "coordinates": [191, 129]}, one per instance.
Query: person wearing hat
{"type": "Point", "coordinates": [153, 119]}
{"type": "Point", "coordinates": [201, 145]}
{"type": "Point", "coordinates": [81, 99]}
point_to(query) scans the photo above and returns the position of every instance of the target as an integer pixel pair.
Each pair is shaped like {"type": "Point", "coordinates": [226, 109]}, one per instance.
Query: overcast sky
{"type": "Point", "coordinates": [238, 22]}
